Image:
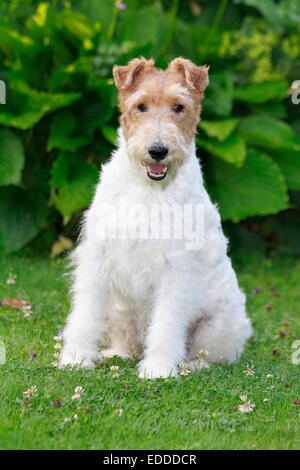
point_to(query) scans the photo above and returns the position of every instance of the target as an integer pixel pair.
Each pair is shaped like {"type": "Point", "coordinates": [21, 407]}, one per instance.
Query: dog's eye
{"type": "Point", "coordinates": [178, 108]}
{"type": "Point", "coordinates": [142, 107]}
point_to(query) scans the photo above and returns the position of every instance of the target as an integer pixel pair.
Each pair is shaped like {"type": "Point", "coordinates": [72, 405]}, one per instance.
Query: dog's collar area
{"type": "Point", "coordinates": [156, 171]}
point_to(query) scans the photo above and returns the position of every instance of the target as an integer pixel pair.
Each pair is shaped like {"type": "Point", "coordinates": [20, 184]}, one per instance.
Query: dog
{"type": "Point", "coordinates": [154, 299]}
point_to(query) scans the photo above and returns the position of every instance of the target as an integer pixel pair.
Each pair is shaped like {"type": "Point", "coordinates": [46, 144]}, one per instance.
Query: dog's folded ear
{"type": "Point", "coordinates": [124, 76]}
{"type": "Point", "coordinates": [196, 77]}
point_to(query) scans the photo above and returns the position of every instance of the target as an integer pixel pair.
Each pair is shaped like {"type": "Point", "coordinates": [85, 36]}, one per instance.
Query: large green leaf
{"type": "Point", "coordinates": [220, 129]}
{"type": "Point", "coordinates": [73, 181]}
{"type": "Point", "coordinates": [22, 215]}
{"type": "Point", "coordinates": [97, 107]}
{"type": "Point", "coordinates": [11, 157]}
{"type": "Point", "coordinates": [268, 9]}
{"type": "Point", "coordinates": [232, 150]}
{"type": "Point", "coordinates": [29, 105]}
{"type": "Point", "coordinates": [219, 95]}
{"type": "Point", "coordinates": [268, 133]}
{"type": "Point", "coordinates": [11, 40]}
{"type": "Point", "coordinates": [272, 108]}
{"type": "Point", "coordinates": [261, 92]}
{"type": "Point", "coordinates": [77, 24]}
{"type": "Point", "coordinates": [257, 188]}
{"type": "Point", "coordinates": [110, 133]}
{"type": "Point", "coordinates": [62, 133]}
{"type": "Point", "coordinates": [289, 162]}
{"type": "Point", "coordinates": [142, 25]}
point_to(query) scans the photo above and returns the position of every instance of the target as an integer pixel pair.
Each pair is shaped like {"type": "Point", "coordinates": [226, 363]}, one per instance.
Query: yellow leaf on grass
{"type": "Point", "coordinates": [62, 244]}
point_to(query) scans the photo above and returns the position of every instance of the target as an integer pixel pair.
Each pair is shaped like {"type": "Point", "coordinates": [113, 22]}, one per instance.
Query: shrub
{"type": "Point", "coordinates": [60, 118]}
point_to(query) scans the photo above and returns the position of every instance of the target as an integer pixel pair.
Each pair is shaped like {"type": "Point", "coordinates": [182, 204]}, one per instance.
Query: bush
{"type": "Point", "coordinates": [59, 123]}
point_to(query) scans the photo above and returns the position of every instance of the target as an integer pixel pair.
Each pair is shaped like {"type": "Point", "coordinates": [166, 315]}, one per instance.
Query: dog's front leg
{"type": "Point", "coordinates": [86, 323]}
{"type": "Point", "coordinates": [166, 337]}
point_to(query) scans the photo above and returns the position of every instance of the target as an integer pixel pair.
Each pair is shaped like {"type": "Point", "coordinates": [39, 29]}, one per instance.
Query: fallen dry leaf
{"type": "Point", "coordinates": [16, 303]}
{"type": "Point", "coordinates": [62, 244]}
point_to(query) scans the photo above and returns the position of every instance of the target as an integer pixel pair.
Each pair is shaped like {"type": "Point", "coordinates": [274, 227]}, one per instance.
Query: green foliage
{"type": "Point", "coordinates": [59, 124]}
{"type": "Point", "coordinates": [220, 129]}
{"type": "Point", "coordinates": [11, 157]}
{"type": "Point", "coordinates": [261, 92]}
{"type": "Point", "coordinates": [22, 215]}
{"type": "Point", "coordinates": [269, 133]}
{"type": "Point", "coordinates": [232, 149]}
{"type": "Point", "coordinates": [289, 162]}
{"type": "Point", "coordinates": [258, 187]}
{"type": "Point", "coordinates": [73, 181]}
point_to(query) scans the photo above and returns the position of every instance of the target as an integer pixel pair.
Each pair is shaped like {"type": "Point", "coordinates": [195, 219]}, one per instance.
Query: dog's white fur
{"type": "Point", "coordinates": [153, 299]}
{"type": "Point", "coordinates": [150, 293]}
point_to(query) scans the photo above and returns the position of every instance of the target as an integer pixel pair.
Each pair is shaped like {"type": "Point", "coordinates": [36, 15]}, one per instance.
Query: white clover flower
{"type": "Point", "coordinates": [27, 310]}
{"type": "Point", "coordinates": [76, 397]}
{"type": "Point", "coordinates": [246, 407]}
{"type": "Point", "coordinates": [184, 369]}
{"type": "Point", "coordinates": [56, 359]}
{"type": "Point", "coordinates": [119, 411]}
{"type": "Point", "coordinates": [11, 278]}
{"type": "Point", "coordinates": [31, 392]}
{"type": "Point", "coordinates": [114, 370]}
{"type": "Point", "coordinates": [269, 376]}
{"type": "Point", "coordinates": [202, 354]}
{"type": "Point", "coordinates": [250, 370]}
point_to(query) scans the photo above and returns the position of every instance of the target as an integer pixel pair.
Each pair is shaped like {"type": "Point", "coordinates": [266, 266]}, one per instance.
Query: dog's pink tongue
{"type": "Point", "coordinates": [156, 169]}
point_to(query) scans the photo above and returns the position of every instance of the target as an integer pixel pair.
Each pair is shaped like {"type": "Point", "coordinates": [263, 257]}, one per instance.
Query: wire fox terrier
{"type": "Point", "coordinates": [153, 297]}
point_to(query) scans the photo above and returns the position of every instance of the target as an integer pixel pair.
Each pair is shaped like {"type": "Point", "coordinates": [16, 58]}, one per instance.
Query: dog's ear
{"type": "Point", "coordinates": [124, 76]}
{"type": "Point", "coordinates": [196, 77]}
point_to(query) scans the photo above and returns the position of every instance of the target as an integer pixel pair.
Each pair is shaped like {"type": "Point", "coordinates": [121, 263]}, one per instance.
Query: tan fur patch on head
{"type": "Point", "coordinates": [140, 82]}
{"type": "Point", "coordinates": [124, 76]}
{"type": "Point", "coordinates": [195, 77]}
{"type": "Point", "coordinates": [160, 107]}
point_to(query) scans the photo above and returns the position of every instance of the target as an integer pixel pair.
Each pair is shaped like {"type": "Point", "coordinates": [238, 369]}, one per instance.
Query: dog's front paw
{"type": "Point", "coordinates": [152, 369]}
{"type": "Point", "coordinates": [77, 358]}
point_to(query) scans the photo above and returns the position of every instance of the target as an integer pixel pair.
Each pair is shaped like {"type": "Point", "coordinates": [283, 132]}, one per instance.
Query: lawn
{"type": "Point", "coordinates": [198, 411]}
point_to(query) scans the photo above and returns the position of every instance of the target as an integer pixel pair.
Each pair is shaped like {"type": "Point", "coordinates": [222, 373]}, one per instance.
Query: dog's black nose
{"type": "Point", "coordinates": [158, 151]}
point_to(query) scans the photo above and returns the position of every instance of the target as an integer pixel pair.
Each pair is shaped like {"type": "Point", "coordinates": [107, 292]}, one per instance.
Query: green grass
{"type": "Point", "coordinates": [194, 412]}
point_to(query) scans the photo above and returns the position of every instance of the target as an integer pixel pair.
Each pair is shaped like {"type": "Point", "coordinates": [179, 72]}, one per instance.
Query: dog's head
{"type": "Point", "coordinates": [160, 111]}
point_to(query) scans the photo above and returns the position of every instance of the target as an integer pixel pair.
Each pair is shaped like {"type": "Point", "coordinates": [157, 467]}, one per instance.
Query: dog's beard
{"type": "Point", "coordinates": [137, 150]}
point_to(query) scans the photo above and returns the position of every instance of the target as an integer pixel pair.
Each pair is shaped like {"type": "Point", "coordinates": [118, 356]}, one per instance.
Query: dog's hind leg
{"type": "Point", "coordinates": [221, 337]}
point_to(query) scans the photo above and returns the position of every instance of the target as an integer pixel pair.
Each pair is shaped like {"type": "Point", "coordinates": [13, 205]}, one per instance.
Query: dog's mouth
{"type": "Point", "coordinates": [157, 172]}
